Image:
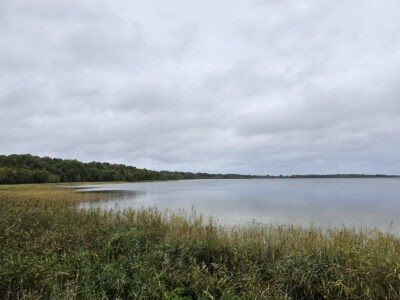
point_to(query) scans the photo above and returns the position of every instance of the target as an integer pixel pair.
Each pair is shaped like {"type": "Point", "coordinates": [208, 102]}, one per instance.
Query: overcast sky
{"type": "Point", "coordinates": [261, 87]}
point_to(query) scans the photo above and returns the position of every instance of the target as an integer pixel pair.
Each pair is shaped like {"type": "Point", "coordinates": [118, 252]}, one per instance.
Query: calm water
{"type": "Point", "coordinates": [323, 202]}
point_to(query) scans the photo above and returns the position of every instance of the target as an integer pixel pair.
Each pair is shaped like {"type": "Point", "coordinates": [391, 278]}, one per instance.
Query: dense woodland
{"type": "Point", "coordinates": [27, 168]}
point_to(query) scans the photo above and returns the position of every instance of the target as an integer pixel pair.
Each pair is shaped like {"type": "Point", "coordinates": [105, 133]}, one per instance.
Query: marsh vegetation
{"type": "Point", "coordinates": [49, 248]}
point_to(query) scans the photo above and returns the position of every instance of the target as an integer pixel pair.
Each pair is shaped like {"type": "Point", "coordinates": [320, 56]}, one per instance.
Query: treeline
{"type": "Point", "coordinates": [27, 168]}
{"type": "Point", "coordinates": [342, 176]}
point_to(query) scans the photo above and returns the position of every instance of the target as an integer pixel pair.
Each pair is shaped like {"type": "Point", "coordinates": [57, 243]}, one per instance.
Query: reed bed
{"type": "Point", "coordinates": [51, 249]}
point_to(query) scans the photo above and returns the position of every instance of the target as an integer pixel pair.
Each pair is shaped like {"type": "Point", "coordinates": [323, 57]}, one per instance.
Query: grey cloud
{"type": "Point", "coordinates": [247, 87]}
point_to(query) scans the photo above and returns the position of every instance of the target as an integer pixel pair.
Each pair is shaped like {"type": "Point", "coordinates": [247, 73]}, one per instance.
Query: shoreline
{"type": "Point", "coordinates": [51, 249]}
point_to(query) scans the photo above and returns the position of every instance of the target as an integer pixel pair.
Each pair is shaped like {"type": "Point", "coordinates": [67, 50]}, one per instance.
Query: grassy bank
{"type": "Point", "coordinates": [51, 249]}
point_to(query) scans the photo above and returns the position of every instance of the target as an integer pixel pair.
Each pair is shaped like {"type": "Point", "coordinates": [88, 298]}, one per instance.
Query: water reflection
{"type": "Point", "coordinates": [323, 202]}
{"type": "Point", "coordinates": [112, 199]}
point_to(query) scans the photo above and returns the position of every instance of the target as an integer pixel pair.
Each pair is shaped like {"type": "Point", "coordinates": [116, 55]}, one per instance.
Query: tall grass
{"type": "Point", "coordinates": [51, 249]}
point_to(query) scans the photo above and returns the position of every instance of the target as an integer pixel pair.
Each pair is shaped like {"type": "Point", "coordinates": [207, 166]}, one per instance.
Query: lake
{"type": "Point", "coordinates": [370, 202]}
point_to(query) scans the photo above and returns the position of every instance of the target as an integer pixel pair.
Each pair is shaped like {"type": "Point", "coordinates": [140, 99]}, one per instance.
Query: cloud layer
{"type": "Point", "coordinates": [262, 87]}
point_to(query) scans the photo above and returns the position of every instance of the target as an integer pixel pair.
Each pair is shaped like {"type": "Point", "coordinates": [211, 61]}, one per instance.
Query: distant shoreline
{"type": "Point", "coordinates": [26, 168]}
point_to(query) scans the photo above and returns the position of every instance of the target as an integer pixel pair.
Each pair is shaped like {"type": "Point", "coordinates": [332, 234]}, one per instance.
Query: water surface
{"type": "Point", "coordinates": [370, 202]}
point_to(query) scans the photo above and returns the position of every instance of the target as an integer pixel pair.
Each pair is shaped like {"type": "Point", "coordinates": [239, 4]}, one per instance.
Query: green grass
{"type": "Point", "coordinates": [49, 249]}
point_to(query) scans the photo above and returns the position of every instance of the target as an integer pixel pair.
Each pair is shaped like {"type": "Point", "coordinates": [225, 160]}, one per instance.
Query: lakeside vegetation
{"type": "Point", "coordinates": [51, 249]}
{"type": "Point", "coordinates": [26, 168]}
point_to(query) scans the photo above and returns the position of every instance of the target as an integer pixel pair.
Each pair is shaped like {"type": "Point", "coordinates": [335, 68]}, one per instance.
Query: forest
{"type": "Point", "coordinates": [26, 168]}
